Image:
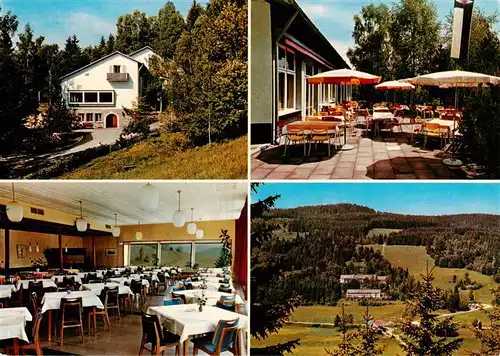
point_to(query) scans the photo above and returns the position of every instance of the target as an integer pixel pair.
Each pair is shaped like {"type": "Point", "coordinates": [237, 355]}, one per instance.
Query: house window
{"type": "Point", "coordinates": [286, 78]}
{"type": "Point", "coordinates": [116, 69]}
{"type": "Point", "coordinates": [89, 117]}
{"type": "Point", "coordinates": [206, 254]}
{"type": "Point", "coordinates": [76, 97]}
{"type": "Point", "coordinates": [143, 254]}
{"type": "Point", "coordinates": [90, 97]}
{"type": "Point", "coordinates": [97, 117]}
{"type": "Point", "coordinates": [106, 97]}
{"type": "Point", "coordinates": [81, 117]}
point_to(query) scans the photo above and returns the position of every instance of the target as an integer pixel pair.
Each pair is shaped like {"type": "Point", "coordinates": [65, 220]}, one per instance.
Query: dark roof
{"type": "Point", "coordinates": [97, 61]}
{"type": "Point", "coordinates": [304, 30]}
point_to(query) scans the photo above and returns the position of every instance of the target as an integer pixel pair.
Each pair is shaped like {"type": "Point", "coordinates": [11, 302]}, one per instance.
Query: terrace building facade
{"type": "Point", "coordinates": [286, 48]}
{"type": "Point", "coordinates": [99, 91]}
{"type": "Point", "coordinates": [364, 293]}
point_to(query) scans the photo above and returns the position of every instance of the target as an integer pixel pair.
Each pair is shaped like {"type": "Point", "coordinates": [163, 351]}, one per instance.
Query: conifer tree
{"type": "Point", "coordinates": [490, 337]}
{"type": "Point", "coordinates": [422, 333]}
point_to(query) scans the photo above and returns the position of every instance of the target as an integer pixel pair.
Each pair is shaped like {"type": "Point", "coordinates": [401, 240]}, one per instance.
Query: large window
{"type": "Point", "coordinates": [175, 254]}
{"type": "Point", "coordinates": [143, 254]}
{"type": "Point", "coordinates": [206, 254]}
{"type": "Point", "coordinates": [286, 78]}
{"type": "Point", "coordinates": [90, 97]}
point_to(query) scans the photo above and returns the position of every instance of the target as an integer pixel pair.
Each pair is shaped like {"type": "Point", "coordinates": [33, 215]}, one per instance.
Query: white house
{"type": "Point", "coordinates": [346, 278]}
{"type": "Point", "coordinates": [99, 91]}
{"type": "Point", "coordinates": [363, 293]}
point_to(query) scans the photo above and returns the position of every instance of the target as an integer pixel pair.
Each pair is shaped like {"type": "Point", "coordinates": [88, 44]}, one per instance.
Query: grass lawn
{"type": "Point", "coordinates": [326, 314]}
{"type": "Point", "coordinates": [314, 341]}
{"type": "Point", "coordinates": [160, 158]}
{"type": "Point", "coordinates": [415, 259]}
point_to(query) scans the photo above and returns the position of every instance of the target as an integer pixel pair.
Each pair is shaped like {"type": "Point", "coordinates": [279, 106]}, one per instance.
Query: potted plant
{"type": "Point", "coordinates": [38, 262]}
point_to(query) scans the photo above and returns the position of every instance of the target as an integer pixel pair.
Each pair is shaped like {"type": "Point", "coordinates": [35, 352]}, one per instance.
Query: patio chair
{"type": "Point", "coordinates": [172, 301]}
{"type": "Point", "coordinates": [319, 134]}
{"type": "Point", "coordinates": [160, 339]}
{"type": "Point", "coordinates": [225, 338]}
{"type": "Point", "coordinates": [34, 339]}
{"type": "Point", "coordinates": [434, 131]}
{"type": "Point", "coordinates": [312, 118]}
{"type": "Point", "coordinates": [92, 315]}
{"type": "Point", "coordinates": [363, 118]}
{"type": "Point", "coordinates": [295, 135]}
{"type": "Point", "coordinates": [71, 315]}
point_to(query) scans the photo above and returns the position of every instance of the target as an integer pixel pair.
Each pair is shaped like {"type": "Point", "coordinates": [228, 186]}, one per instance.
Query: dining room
{"type": "Point", "coordinates": [123, 268]}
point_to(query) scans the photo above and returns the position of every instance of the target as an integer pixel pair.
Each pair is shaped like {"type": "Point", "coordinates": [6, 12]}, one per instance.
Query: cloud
{"type": "Point", "coordinates": [333, 14]}
{"type": "Point", "coordinates": [341, 47]}
{"type": "Point", "coordinates": [88, 27]}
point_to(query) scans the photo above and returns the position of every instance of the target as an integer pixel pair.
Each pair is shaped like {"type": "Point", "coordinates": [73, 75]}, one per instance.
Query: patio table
{"type": "Point", "coordinates": [59, 278]}
{"type": "Point", "coordinates": [13, 325]}
{"type": "Point", "coordinates": [186, 320]}
{"type": "Point", "coordinates": [52, 301]}
{"type": "Point", "coordinates": [46, 283]}
{"type": "Point", "coordinates": [96, 288]}
{"type": "Point", "coordinates": [212, 296]}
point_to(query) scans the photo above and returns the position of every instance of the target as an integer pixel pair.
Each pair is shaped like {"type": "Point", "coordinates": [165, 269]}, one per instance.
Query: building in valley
{"type": "Point", "coordinates": [363, 293]}
{"type": "Point", "coordinates": [346, 278]}
{"type": "Point", "coordinates": [99, 91]}
{"type": "Point", "coordinates": [285, 49]}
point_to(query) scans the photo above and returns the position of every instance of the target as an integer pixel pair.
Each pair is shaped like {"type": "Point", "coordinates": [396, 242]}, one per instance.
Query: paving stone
{"type": "Point", "coordinates": [261, 173]}
{"type": "Point", "coordinates": [285, 168]}
{"type": "Point", "coordinates": [319, 177]}
{"type": "Point", "coordinates": [324, 170]}
{"type": "Point", "coordinates": [300, 173]}
{"type": "Point", "coordinates": [277, 175]}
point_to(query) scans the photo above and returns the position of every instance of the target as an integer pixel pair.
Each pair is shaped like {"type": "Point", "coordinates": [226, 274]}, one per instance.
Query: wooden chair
{"type": "Point", "coordinates": [136, 288]}
{"type": "Point", "coordinates": [71, 315]}
{"type": "Point", "coordinates": [172, 301]}
{"type": "Point", "coordinates": [295, 135]}
{"type": "Point", "coordinates": [113, 301]}
{"type": "Point", "coordinates": [34, 342]}
{"type": "Point", "coordinates": [162, 282]}
{"type": "Point", "coordinates": [226, 304]}
{"type": "Point", "coordinates": [225, 338]}
{"type": "Point", "coordinates": [36, 287]}
{"type": "Point", "coordinates": [92, 315]}
{"type": "Point", "coordinates": [181, 297]}
{"type": "Point", "coordinates": [160, 340]}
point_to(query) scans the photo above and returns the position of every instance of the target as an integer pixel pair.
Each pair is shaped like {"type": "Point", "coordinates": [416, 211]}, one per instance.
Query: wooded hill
{"type": "Point", "coordinates": [325, 239]}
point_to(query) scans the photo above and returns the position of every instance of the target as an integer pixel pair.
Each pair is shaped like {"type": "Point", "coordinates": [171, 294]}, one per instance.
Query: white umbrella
{"type": "Point", "coordinates": [394, 85]}
{"type": "Point", "coordinates": [344, 76]}
{"type": "Point", "coordinates": [455, 78]}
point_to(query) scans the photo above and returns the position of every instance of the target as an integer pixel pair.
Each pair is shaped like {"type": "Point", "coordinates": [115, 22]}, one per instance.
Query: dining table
{"type": "Point", "coordinates": [186, 320]}
{"type": "Point", "coordinates": [46, 283]}
{"type": "Point", "coordinates": [96, 288]}
{"type": "Point", "coordinates": [52, 301]}
{"type": "Point", "coordinates": [192, 296]}
{"type": "Point", "coordinates": [60, 278]}
{"type": "Point", "coordinates": [212, 286]}
{"type": "Point", "coordinates": [123, 280]}
{"type": "Point", "coordinates": [6, 290]}
{"type": "Point", "coordinates": [13, 325]}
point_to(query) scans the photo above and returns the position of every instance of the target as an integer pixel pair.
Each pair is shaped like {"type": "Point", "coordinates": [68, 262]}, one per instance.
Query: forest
{"type": "Point", "coordinates": [206, 78]}
{"type": "Point", "coordinates": [325, 243]}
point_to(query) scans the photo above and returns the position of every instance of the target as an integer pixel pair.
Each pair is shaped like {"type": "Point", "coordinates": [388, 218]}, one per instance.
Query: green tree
{"type": "Point", "coordinates": [72, 56]}
{"type": "Point", "coordinates": [195, 11]}
{"type": "Point", "coordinates": [110, 44]}
{"type": "Point", "coordinates": [134, 31]}
{"type": "Point", "coordinates": [141, 117]}
{"type": "Point", "coordinates": [270, 306]}
{"type": "Point", "coordinates": [490, 338]}
{"type": "Point", "coordinates": [347, 345]}
{"type": "Point", "coordinates": [168, 27]}
{"type": "Point", "coordinates": [428, 335]}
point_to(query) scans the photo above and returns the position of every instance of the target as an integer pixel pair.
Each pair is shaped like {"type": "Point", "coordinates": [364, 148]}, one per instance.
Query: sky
{"type": "Point", "coordinates": [407, 198]}
{"type": "Point", "coordinates": [334, 18]}
{"type": "Point", "coordinates": [56, 20]}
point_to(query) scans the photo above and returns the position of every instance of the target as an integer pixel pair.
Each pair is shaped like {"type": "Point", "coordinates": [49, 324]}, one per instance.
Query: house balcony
{"type": "Point", "coordinates": [117, 77]}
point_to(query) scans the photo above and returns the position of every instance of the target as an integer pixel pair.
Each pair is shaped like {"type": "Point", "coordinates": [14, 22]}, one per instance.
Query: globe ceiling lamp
{"type": "Point", "coordinates": [81, 222]}
{"type": "Point", "coordinates": [191, 227]}
{"type": "Point", "coordinates": [200, 233]}
{"type": "Point", "coordinates": [179, 218]}
{"type": "Point", "coordinates": [138, 234]}
{"type": "Point", "coordinates": [15, 211]}
{"type": "Point", "coordinates": [150, 198]}
{"type": "Point", "coordinates": [115, 231]}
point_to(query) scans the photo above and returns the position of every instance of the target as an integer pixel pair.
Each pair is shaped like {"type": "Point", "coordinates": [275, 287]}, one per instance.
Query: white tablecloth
{"type": "Point", "coordinates": [154, 277]}
{"type": "Point", "coordinates": [211, 286]}
{"type": "Point", "coordinates": [6, 290]}
{"type": "Point", "coordinates": [98, 287]}
{"type": "Point", "coordinates": [13, 323]}
{"type": "Point", "coordinates": [82, 275]}
{"type": "Point", "coordinates": [215, 279]}
{"type": "Point", "coordinates": [122, 280]}
{"type": "Point", "coordinates": [185, 319]}
{"type": "Point", "coordinates": [47, 283]}
{"type": "Point", "coordinates": [59, 279]}
{"type": "Point", "coordinates": [212, 296]}
{"type": "Point", "coordinates": [377, 115]}
{"type": "Point", "coordinates": [52, 301]}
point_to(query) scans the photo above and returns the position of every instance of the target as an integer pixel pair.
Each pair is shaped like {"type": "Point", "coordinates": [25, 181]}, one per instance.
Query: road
{"type": "Point", "coordinates": [99, 137]}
